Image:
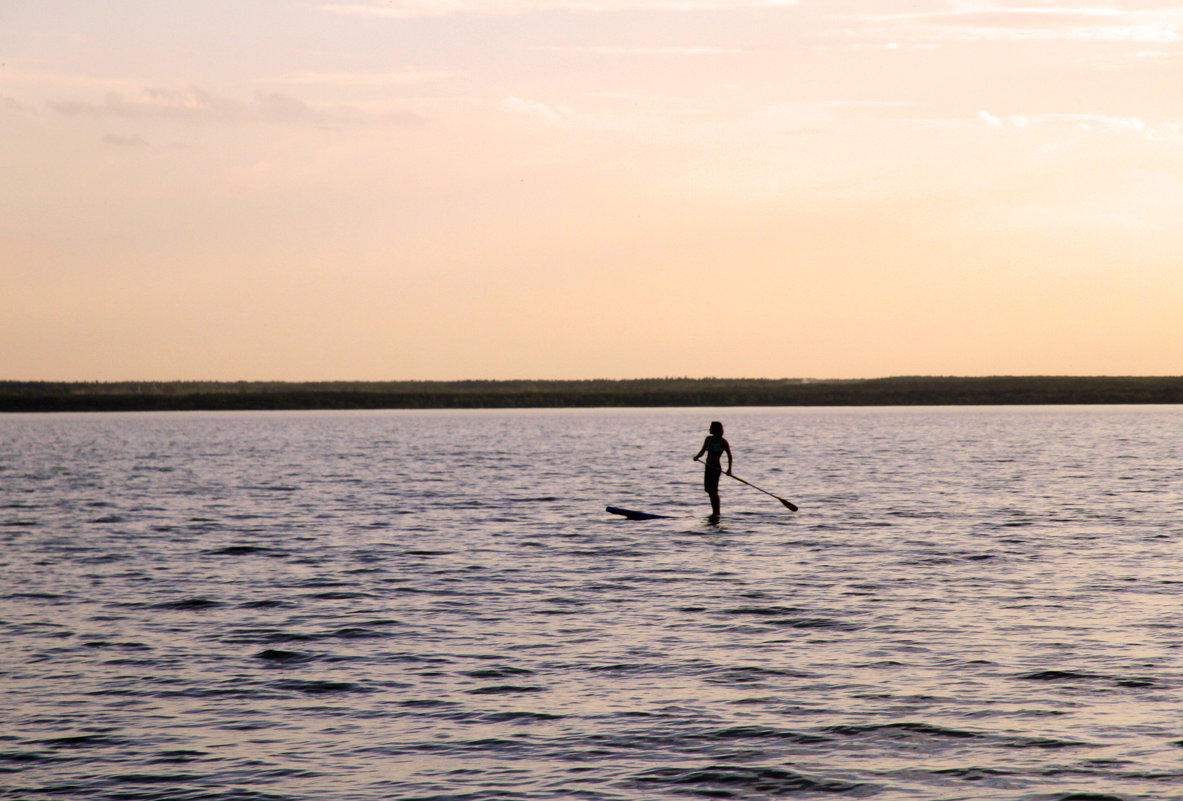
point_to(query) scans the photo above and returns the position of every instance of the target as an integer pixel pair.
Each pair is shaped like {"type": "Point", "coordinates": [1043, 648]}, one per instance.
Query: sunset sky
{"type": "Point", "coordinates": [447, 189]}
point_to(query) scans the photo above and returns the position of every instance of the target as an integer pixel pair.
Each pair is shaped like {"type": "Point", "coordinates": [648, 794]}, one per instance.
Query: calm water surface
{"type": "Point", "coordinates": [971, 604]}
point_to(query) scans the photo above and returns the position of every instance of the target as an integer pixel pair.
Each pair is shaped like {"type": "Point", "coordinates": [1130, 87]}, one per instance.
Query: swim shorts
{"type": "Point", "coordinates": [710, 478]}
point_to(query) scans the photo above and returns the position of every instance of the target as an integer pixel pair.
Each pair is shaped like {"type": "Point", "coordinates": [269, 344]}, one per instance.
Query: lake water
{"type": "Point", "coordinates": [972, 603]}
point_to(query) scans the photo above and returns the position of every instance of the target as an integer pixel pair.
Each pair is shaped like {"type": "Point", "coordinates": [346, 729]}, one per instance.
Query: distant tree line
{"type": "Point", "coordinates": [35, 396]}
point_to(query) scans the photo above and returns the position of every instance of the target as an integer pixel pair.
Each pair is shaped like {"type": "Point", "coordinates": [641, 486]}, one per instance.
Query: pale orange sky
{"type": "Point", "coordinates": [402, 189]}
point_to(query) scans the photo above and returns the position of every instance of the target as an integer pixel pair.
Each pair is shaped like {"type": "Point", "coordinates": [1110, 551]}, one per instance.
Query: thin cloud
{"type": "Point", "coordinates": [157, 102]}
{"type": "Point", "coordinates": [991, 120]}
{"type": "Point", "coordinates": [969, 22]}
{"type": "Point", "coordinates": [814, 117]}
{"type": "Point", "coordinates": [117, 140]}
{"type": "Point", "coordinates": [1098, 122]}
{"type": "Point", "coordinates": [537, 110]}
{"type": "Point", "coordinates": [193, 104]}
{"type": "Point", "coordinates": [12, 104]}
{"type": "Point", "coordinates": [412, 9]}
{"type": "Point", "coordinates": [408, 78]}
{"type": "Point", "coordinates": [1158, 55]}
{"type": "Point", "coordinates": [1083, 123]}
{"type": "Point", "coordinates": [41, 79]}
{"type": "Point", "coordinates": [649, 51]}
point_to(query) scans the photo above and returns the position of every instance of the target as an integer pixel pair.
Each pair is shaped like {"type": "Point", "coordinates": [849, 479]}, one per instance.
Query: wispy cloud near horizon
{"type": "Point", "coordinates": [617, 50]}
{"type": "Point", "coordinates": [119, 140]}
{"type": "Point", "coordinates": [995, 22]}
{"type": "Point", "coordinates": [410, 9]}
{"type": "Point", "coordinates": [342, 79]}
{"type": "Point", "coordinates": [537, 109]}
{"type": "Point", "coordinates": [194, 104]}
{"type": "Point", "coordinates": [1086, 123]}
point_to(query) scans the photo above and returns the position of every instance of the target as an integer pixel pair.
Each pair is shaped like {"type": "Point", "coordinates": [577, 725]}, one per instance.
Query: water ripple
{"type": "Point", "coordinates": [973, 603]}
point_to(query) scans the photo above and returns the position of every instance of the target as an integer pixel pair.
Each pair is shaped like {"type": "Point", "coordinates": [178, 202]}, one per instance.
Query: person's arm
{"type": "Point", "coordinates": [701, 450]}
{"type": "Point", "coordinates": [727, 450]}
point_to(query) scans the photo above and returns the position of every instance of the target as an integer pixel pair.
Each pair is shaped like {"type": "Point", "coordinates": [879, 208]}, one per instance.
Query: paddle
{"type": "Point", "coordinates": [788, 504]}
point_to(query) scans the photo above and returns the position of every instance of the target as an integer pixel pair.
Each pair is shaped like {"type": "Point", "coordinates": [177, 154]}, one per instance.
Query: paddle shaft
{"type": "Point", "coordinates": [788, 504]}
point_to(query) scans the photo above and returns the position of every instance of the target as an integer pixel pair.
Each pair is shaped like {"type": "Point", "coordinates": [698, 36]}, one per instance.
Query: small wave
{"type": "Point", "coordinates": [764, 611]}
{"type": "Point", "coordinates": [189, 605]}
{"type": "Point", "coordinates": [727, 781]}
{"type": "Point", "coordinates": [22, 760]}
{"type": "Point", "coordinates": [812, 623]}
{"type": "Point", "coordinates": [179, 756]}
{"type": "Point", "coordinates": [694, 739]}
{"type": "Point", "coordinates": [105, 558]}
{"type": "Point", "coordinates": [1041, 742]}
{"type": "Point", "coordinates": [35, 596]}
{"type": "Point", "coordinates": [752, 675]}
{"type": "Point", "coordinates": [519, 717]}
{"type": "Point", "coordinates": [881, 664]}
{"type": "Point", "coordinates": [175, 779]}
{"type": "Point", "coordinates": [126, 646]}
{"type": "Point", "coordinates": [355, 633]}
{"type": "Point", "coordinates": [972, 774]}
{"type": "Point", "coordinates": [262, 635]}
{"type": "Point", "coordinates": [245, 550]}
{"type": "Point", "coordinates": [85, 741]}
{"type": "Point", "coordinates": [764, 733]}
{"type": "Point", "coordinates": [318, 582]}
{"type": "Point", "coordinates": [606, 552]}
{"type": "Point", "coordinates": [901, 731]}
{"type": "Point", "coordinates": [1058, 675]}
{"type": "Point", "coordinates": [238, 690]}
{"type": "Point", "coordinates": [498, 673]}
{"type": "Point", "coordinates": [320, 687]}
{"type": "Point", "coordinates": [274, 636]}
{"type": "Point", "coordinates": [148, 664]}
{"type": "Point", "coordinates": [340, 596]}
{"type": "Point", "coordinates": [427, 703]}
{"type": "Point", "coordinates": [418, 659]}
{"type": "Point", "coordinates": [268, 603]}
{"type": "Point", "coordinates": [621, 667]}
{"type": "Point", "coordinates": [278, 656]}
{"type": "Point", "coordinates": [506, 689]}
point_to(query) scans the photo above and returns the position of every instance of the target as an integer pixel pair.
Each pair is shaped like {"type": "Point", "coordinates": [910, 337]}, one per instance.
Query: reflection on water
{"type": "Point", "coordinates": [971, 603]}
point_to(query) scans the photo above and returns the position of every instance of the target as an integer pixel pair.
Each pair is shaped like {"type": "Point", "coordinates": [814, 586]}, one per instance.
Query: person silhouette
{"type": "Point", "coordinates": [714, 446]}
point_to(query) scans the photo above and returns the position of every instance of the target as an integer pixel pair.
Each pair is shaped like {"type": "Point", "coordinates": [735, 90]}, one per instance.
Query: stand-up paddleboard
{"type": "Point", "coordinates": [631, 515]}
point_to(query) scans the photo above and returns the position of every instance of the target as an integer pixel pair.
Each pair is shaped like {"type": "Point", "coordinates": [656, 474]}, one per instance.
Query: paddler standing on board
{"type": "Point", "coordinates": [714, 447]}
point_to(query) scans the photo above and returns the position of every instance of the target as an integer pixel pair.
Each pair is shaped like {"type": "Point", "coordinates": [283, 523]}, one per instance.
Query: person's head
{"type": "Point", "coordinates": [716, 429]}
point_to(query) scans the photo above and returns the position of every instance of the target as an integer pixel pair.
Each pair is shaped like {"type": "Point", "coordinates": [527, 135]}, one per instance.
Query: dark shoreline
{"type": "Point", "coordinates": [35, 396]}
